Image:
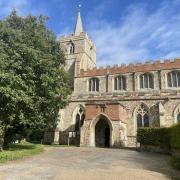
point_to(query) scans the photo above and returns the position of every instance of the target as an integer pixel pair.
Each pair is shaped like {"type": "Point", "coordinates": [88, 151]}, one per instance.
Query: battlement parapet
{"type": "Point", "coordinates": [72, 37]}
{"type": "Point", "coordinates": [138, 67]}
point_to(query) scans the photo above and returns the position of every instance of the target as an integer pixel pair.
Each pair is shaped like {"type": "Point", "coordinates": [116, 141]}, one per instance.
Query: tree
{"type": "Point", "coordinates": [33, 82]}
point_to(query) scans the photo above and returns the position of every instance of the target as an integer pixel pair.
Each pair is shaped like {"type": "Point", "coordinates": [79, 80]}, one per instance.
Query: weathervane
{"type": "Point", "coordinates": [79, 7]}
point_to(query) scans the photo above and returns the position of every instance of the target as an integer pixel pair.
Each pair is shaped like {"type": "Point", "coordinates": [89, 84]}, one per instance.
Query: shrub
{"type": "Point", "coordinates": [154, 136]}
{"type": "Point", "coordinates": [176, 162]}
{"type": "Point", "coordinates": [36, 136]}
{"type": "Point", "coordinates": [175, 137]}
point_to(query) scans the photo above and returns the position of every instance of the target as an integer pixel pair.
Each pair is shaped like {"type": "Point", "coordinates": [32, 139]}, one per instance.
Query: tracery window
{"type": "Point", "coordinates": [142, 116]}
{"type": "Point", "coordinates": [178, 118]}
{"type": "Point", "coordinates": [176, 114]}
{"type": "Point", "coordinates": [94, 84]}
{"type": "Point", "coordinates": [146, 81]}
{"type": "Point", "coordinates": [72, 48]}
{"type": "Point", "coordinates": [79, 119]}
{"type": "Point", "coordinates": [173, 79]}
{"type": "Point", "coordinates": [120, 83]}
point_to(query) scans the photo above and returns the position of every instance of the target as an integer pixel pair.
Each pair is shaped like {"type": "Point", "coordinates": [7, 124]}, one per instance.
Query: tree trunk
{"type": "Point", "coordinates": [1, 138]}
{"type": "Point", "coordinates": [8, 136]}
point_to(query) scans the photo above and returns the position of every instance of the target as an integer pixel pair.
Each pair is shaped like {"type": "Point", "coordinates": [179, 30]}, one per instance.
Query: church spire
{"type": "Point", "coordinates": [79, 26]}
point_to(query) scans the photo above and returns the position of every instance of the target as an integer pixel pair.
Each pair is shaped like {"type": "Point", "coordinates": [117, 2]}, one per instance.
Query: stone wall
{"type": "Point", "coordinates": [128, 107]}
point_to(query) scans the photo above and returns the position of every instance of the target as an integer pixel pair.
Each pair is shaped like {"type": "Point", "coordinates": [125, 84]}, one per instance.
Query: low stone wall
{"type": "Point", "coordinates": [155, 149]}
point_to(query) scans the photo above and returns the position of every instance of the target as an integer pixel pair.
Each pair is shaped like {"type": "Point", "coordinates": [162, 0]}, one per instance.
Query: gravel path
{"type": "Point", "coordinates": [90, 164]}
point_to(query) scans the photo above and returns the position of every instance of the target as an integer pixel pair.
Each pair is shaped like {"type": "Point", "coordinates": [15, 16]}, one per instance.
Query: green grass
{"type": "Point", "coordinates": [19, 151]}
{"type": "Point", "coordinates": [58, 145]}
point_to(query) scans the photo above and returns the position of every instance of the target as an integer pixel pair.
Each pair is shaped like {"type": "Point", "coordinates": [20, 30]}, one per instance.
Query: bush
{"type": "Point", "coordinates": [36, 136]}
{"type": "Point", "coordinates": [168, 139]}
{"type": "Point", "coordinates": [154, 136]}
{"type": "Point", "coordinates": [175, 137]}
{"type": "Point", "coordinates": [176, 162]}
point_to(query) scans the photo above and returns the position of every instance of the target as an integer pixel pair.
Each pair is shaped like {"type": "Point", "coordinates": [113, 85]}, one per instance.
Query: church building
{"type": "Point", "coordinates": [108, 104]}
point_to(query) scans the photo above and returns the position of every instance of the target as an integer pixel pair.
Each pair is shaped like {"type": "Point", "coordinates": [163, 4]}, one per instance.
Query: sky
{"type": "Point", "coordinates": [124, 31]}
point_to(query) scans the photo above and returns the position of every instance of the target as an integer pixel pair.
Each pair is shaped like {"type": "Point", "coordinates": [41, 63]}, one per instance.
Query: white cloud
{"type": "Point", "coordinates": [6, 6]}
{"type": "Point", "coordinates": [23, 7]}
{"type": "Point", "coordinates": [139, 35]}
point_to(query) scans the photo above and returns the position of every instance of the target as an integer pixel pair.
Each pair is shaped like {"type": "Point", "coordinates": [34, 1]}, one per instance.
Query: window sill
{"type": "Point", "coordinates": [120, 91]}
{"type": "Point", "coordinates": [147, 89]}
{"type": "Point", "coordinates": [173, 88]}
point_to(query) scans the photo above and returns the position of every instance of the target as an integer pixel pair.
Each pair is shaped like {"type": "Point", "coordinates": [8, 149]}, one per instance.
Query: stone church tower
{"type": "Point", "coordinates": [80, 51]}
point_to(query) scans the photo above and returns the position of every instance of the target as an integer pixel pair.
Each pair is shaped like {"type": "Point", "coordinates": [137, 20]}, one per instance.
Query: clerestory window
{"type": "Point", "coordinates": [94, 84]}
{"type": "Point", "coordinates": [173, 79]}
{"type": "Point", "coordinates": [146, 81]}
{"type": "Point", "coordinates": [120, 83]}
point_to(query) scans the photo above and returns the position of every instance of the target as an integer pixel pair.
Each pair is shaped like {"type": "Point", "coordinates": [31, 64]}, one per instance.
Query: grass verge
{"type": "Point", "coordinates": [58, 145]}
{"type": "Point", "coordinates": [19, 151]}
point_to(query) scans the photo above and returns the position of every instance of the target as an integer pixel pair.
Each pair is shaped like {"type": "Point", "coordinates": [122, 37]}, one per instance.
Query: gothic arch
{"type": "Point", "coordinates": [141, 112]}
{"type": "Point", "coordinates": [79, 110]}
{"type": "Point", "coordinates": [176, 114]}
{"type": "Point", "coordinates": [92, 127]}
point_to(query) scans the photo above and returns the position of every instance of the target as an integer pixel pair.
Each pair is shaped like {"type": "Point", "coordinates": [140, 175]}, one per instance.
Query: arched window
{"type": "Point", "coordinates": [177, 114]}
{"type": "Point", "coordinates": [72, 48]}
{"type": "Point", "coordinates": [142, 116]}
{"type": "Point", "coordinates": [79, 119]}
{"type": "Point", "coordinates": [120, 83]}
{"type": "Point", "coordinates": [173, 79]}
{"type": "Point", "coordinates": [94, 84]}
{"type": "Point", "coordinates": [146, 81]}
{"type": "Point", "coordinates": [178, 118]}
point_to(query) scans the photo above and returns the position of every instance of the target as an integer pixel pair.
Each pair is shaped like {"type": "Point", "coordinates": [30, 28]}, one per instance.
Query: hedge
{"type": "Point", "coordinates": [155, 137]}
{"type": "Point", "coordinates": [175, 137]}
{"type": "Point", "coordinates": [168, 138]}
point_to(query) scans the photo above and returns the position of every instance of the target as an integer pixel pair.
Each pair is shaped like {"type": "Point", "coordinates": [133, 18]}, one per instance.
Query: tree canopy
{"type": "Point", "coordinates": [33, 82]}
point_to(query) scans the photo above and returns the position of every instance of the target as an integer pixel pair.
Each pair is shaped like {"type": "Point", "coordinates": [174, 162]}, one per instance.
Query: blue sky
{"type": "Point", "coordinates": [124, 31]}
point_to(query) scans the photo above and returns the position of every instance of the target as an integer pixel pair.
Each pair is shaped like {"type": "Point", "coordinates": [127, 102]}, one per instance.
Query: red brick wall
{"type": "Point", "coordinates": [115, 112]}
{"type": "Point", "coordinates": [147, 67]}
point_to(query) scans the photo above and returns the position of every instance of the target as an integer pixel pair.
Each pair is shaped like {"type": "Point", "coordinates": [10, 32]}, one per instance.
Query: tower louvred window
{"type": "Point", "coordinates": [72, 48]}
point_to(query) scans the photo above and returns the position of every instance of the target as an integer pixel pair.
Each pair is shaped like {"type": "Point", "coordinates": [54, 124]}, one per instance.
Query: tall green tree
{"type": "Point", "coordinates": [33, 82]}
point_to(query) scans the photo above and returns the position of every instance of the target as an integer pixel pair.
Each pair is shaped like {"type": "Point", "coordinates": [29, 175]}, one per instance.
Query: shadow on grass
{"type": "Point", "coordinates": [25, 146]}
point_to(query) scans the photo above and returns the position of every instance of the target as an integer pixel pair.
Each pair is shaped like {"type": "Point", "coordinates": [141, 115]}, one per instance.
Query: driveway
{"type": "Point", "coordinates": [73, 163]}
